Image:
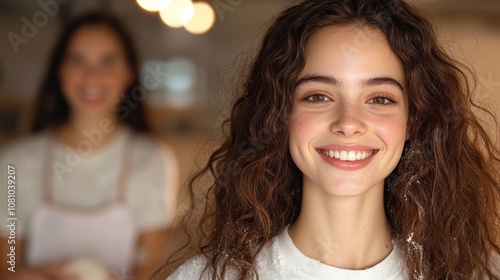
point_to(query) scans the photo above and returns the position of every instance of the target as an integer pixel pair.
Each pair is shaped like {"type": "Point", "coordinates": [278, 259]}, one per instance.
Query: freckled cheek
{"type": "Point", "coordinates": [305, 126]}
{"type": "Point", "coordinates": [392, 129]}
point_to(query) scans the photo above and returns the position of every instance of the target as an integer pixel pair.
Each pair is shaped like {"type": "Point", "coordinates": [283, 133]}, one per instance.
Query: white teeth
{"type": "Point", "coordinates": [351, 156]}
{"type": "Point", "coordinates": [343, 155]}
{"type": "Point", "coordinates": [347, 155]}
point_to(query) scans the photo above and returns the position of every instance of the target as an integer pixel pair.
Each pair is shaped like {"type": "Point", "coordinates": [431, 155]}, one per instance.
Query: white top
{"type": "Point", "coordinates": [281, 259]}
{"type": "Point", "coordinates": [87, 178]}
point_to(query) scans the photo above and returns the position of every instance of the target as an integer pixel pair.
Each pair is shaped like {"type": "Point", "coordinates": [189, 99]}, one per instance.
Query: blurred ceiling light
{"type": "Point", "coordinates": [202, 20]}
{"type": "Point", "coordinates": [177, 13]}
{"type": "Point", "coordinates": [153, 5]}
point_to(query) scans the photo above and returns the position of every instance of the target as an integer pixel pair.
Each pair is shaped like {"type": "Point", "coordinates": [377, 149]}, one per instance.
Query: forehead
{"type": "Point", "coordinates": [343, 51]}
{"type": "Point", "coordinates": [94, 40]}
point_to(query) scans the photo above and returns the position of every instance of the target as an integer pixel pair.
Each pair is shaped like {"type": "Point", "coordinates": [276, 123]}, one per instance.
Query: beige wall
{"type": "Point", "coordinates": [470, 30]}
{"type": "Point", "coordinates": [477, 43]}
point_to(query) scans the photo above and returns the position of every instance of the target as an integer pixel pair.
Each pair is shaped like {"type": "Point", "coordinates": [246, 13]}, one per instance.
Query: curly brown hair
{"type": "Point", "coordinates": [442, 204]}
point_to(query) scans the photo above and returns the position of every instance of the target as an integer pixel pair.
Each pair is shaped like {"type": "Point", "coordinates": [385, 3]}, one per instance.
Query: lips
{"type": "Point", "coordinates": [347, 157]}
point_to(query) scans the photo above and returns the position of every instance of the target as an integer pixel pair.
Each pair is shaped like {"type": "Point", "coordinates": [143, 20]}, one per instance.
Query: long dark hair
{"type": "Point", "coordinates": [442, 200]}
{"type": "Point", "coordinates": [51, 109]}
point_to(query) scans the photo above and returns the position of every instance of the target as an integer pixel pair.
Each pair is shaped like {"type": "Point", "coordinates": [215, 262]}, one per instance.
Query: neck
{"type": "Point", "coordinates": [344, 232]}
{"type": "Point", "coordinates": [98, 131]}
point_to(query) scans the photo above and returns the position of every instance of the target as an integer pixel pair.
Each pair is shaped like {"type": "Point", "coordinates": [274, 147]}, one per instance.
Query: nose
{"type": "Point", "coordinates": [347, 120]}
{"type": "Point", "coordinates": [92, 74]}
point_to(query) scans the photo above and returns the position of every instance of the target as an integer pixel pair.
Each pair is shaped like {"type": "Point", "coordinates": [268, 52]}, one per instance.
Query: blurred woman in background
{"type": "Point", "coordinates": [95, 191]}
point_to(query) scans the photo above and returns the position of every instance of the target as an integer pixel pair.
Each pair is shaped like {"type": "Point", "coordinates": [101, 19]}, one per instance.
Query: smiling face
{"type": "Point", "coordinates": [350, 112]}
{"type": "Point", "coordinates": [94, 73]}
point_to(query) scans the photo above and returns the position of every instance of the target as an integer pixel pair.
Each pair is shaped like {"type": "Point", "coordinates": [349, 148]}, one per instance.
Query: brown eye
{"type": "Point", "coordinates": [316, 98]}
{"type": "Point", "coordinates": [380, 100]}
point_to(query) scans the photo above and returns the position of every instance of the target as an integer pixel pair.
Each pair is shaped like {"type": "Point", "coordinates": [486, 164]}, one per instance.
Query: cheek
{"type": "Point", "coordinates": [304, 126]}
{"type": "Point", "coordinates": [69, 83]}
{"type": "Point", "coordinates": [69, 78]}
{"type": "Point", "coordinates": [392, 129]}
{"type": "Point", "coordinates": [120, 81]}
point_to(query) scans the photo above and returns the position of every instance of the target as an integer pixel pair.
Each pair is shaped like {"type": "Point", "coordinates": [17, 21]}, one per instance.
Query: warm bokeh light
{"type": "Point", "coordinates": [203, 18]}
{"type": "Point", "coordinates": [153, 5]}
{"type": "Point", "coordinates": [177, 13]}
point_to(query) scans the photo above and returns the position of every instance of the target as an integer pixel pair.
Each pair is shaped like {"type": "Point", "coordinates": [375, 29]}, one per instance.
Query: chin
{"type": "Point", "coordinates": [95, 113]}
{"type": "Point", "coordinates": [351, 189]}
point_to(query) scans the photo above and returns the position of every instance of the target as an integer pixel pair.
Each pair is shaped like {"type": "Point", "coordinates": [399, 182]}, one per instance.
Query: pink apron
{"type": "Point", "coordinates": [60, 233]}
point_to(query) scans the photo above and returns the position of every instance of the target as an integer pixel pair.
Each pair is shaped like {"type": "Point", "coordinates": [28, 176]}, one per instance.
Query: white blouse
{"type": "Point", "coordinates": [281, 259]}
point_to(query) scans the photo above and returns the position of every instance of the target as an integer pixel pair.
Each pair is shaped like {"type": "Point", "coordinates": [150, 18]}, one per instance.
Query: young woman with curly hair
{"type": "Point", "coordinates": [353, 153]}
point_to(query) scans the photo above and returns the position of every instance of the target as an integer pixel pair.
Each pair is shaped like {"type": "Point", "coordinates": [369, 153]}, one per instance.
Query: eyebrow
{"type": "Point", "coordinates": [382, 81]}
{"type": "Point", "coordinates": [329, 80]}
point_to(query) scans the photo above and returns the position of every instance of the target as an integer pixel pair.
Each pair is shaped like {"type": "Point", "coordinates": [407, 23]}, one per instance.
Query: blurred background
{"type": "Point", "coordinates": [190, 77]}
